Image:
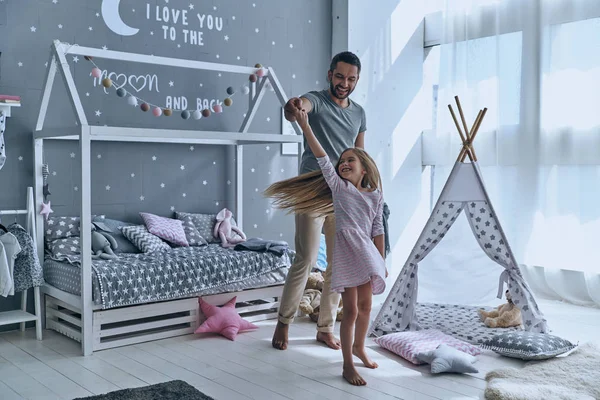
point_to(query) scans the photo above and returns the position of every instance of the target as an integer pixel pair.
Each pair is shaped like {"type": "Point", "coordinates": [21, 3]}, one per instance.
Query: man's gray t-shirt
{"type": "Point", "coordinates": [335, 127]}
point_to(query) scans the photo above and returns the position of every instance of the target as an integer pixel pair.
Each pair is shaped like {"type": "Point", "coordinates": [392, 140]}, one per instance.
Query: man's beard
{"type": "Point", "coordinates": [336, 95]}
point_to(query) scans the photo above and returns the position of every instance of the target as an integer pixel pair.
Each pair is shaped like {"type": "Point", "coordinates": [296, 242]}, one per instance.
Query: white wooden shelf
{"type": "Point", "coordinates": [6, 107]}
{"type": "Point", "coordinates": [16, 317]}
{"type": "Point", "coordinates": [127, 134]}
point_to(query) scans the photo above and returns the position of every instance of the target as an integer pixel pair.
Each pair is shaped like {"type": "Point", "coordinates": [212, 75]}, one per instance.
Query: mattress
{"type": "Point", "coordinates": [460, 321]}
{"type": "Point", "coordinates": [180, 272]}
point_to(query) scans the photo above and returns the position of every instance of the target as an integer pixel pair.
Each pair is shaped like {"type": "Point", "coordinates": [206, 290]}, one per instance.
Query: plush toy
{"type": "Point", "coordinates": [315, 281]}
{"type": "Point", "coordinates": [103, 245]}
{"type": "Point", "coordinates": [224, 229]}
{"type": "Point", "coordinates": [310, 304]}
{"type": "Point", "coordinates": [504, 316]}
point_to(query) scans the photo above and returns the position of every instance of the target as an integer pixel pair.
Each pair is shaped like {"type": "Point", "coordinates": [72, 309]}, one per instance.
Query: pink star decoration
{"type": "Point", "coordinates": [223, 320]}
{"type": "Point", "coordinates": [46, 210]}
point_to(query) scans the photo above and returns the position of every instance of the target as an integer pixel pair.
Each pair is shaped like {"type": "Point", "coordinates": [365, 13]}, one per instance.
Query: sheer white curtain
{"type": "Point", "coordinates": [535, 64]}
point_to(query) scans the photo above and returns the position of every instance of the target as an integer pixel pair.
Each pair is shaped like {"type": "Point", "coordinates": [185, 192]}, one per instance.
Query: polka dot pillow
{"type": "Point", "coordinates": [411, 343]}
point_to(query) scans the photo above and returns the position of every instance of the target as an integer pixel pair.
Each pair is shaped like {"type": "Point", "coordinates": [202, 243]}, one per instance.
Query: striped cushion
{"type": "Point", "coordinates": [408, 344]}
{"type": "Point", "coordinates": [144, 240]}
{"type": "Point", "coordinates": [168, 229]}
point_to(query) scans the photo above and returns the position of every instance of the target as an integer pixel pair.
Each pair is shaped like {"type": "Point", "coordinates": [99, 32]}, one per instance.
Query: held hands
{"type": "Point", "coordinates": [290, 108]}
{"type": "Point", "coordinates": [302, 118]}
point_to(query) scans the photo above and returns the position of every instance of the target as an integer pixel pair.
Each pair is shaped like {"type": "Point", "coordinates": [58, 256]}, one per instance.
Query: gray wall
{"type": "Point", "coordinates": [293, 37]}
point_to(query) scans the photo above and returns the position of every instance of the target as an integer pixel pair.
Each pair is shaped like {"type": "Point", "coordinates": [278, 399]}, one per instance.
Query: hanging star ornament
{"type": "Point", "coordinates": [223, 320]}
{"type": "Point", "coordinates": [46, 210]}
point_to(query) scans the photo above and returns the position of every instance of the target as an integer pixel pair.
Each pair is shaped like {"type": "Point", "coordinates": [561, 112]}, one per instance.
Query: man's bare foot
{"type": "Point", "coordinates": [351, 375]}
{"type": "Point", "coordinates": [280, 336]}
{"type": "Point", "coordinates": [361, 353]}
{"type": "Point", "coordinates": [329, 339]}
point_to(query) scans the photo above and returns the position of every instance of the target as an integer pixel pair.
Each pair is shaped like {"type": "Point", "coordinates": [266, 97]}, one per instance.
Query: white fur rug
{"type": "Point", "coordinates": [572, 377]}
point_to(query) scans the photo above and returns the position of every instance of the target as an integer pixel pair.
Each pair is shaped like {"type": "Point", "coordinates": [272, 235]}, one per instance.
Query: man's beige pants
{"type": "Point", "coordinates": [308, 237]}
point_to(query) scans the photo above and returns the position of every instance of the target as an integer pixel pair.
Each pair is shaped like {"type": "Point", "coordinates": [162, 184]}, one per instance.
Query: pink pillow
{"type": "Point", "coordinates": [168, 229]}
{"type": "Point", "coordinates": [410, 343]}
{"type": "Point", "coordinates": [223, 320]}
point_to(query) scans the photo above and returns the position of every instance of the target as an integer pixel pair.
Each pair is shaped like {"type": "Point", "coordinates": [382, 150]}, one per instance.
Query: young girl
{"type": "Point", "coordinates": [358, 269]}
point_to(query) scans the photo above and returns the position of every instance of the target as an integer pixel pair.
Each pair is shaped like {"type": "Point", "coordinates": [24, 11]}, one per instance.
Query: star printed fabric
{"type": "Point", "coordinates": [223, 320]}
{"type": "Point", "coordinates": [528, 345]}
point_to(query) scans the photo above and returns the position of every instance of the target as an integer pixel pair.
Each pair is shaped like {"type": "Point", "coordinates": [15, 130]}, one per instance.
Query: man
{"type": "Point", "coordinates": [339, 123]}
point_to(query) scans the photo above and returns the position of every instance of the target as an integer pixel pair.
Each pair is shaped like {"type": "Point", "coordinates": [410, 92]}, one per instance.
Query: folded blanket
{"type": "Point", "coordinates": [278, 247]}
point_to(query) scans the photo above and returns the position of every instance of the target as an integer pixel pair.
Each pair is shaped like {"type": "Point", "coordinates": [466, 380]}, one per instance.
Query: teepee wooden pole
{"type": "Point", "coordinates": [462, 137]}
{"type": "Point", "coordinates": [462, 154]}
{"type": "Point", "coordinates": [474, 131]}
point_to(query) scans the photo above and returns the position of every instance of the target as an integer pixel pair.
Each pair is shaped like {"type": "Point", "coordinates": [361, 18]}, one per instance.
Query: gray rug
{"type": "Point", "coordinates": [173, 390]}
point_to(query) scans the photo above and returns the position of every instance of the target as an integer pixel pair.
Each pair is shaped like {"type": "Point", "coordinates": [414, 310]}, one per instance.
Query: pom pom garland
{"type": "Point", "coordinates": [157, 111]}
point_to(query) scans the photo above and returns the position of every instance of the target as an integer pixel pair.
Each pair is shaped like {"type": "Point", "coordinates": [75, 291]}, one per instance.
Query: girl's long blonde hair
{"type": "Point", "coordinates": [309, 193]}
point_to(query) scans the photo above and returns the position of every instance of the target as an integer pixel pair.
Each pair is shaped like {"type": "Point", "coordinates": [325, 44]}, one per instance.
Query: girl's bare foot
{"type": "Point", "coordinates": [280, 336]}
{"type": "Point", "coordinates": [351, 375]}
{"type": "Point", "coordinates": [361, 353]}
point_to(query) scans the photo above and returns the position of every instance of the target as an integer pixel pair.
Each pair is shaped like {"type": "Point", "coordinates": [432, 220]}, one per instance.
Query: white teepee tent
{"type": "Point", "coordinates": [464, 191]}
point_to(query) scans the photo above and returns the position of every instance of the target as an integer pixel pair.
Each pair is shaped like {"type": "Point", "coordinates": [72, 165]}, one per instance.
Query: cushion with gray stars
{"type": "Point", "coordinates": [527, 345]}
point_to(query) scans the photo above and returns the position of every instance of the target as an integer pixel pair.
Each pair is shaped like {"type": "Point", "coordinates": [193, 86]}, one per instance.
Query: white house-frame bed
{"type": "Point", "coordinates": [77, 316]}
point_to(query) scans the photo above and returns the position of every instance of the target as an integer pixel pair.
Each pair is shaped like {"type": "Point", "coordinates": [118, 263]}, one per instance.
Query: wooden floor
{"type": "Point", "coordinates": [248, 368]}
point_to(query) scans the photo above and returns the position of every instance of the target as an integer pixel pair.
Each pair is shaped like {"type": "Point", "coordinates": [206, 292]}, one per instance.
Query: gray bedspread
{"type": "Point", "coordinates": [142, 278]}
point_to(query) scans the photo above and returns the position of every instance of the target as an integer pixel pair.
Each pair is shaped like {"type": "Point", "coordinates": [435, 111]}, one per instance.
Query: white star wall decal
{"type": "Point", "coordinates": [268, 147]}
{"type": "Point", "coordinates": [60, 26]}
{"type": "Point", "coordinates": [75, 59]}
{"type": "Point", "coordinates": [191, 148]}
{"type": "Point", "coordinates": [183, 194]}
{"type": "Point", "coordinates": [229, 182]}
{"type": "Point", "coordinates": [171, 83]}
{"type": "Point", "coordinates": [20, 64]}
{"type": "Point", "coordinates": [33, 28]}
{"type": "Point", "coordinates": [132, 175]}
{"type": "Point", "coordinates": [90, 28]}
{"type": "Point", "coordinates": [98, 112]}
{"type": "Point", "coordinates": [191, 6]}
{"type": "Point", "coordinates": [204, 183]}
{"type": "Point", "coordinates": [107, 187]}
{"type": "Point", "coordinates": [182, 167]}
{"type": "Point", "coordinates": [20, 158]}
{"type": "Point", "coordinates": [162, 185]}
{"type": "Point", "coordinates": [53, 173]}
{"type": "Point", "coordinates": [153, 158]}
{"type": "Point", "coordinates": [72, 155]}
{"type": "Point", "coordinates": [255, 226]}
{"type": "Point", "coordinates": [172, 208]}
{"type": "Point", "coordinates": [99, 156]}
{"type": "Point", "coordinates": [226, 38]}
{"type": "Point", "coordinates": [142, 198]}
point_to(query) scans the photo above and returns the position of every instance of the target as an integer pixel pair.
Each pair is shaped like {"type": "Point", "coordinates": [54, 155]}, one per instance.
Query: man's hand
{"type": "Point", "coordinates": [291, 107]}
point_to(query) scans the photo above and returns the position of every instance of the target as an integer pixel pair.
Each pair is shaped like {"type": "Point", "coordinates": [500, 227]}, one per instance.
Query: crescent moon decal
{"type": "Point", "coordinates": [112, 19]}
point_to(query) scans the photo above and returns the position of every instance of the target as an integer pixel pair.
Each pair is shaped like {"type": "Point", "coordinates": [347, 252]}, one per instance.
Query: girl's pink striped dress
{"type": "Point", "coordinates": [358, 219]}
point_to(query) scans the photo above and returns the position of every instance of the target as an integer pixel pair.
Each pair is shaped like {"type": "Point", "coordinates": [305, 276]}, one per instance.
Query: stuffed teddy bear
{"type": "Point", "coordinates": [103, 245]}
{"type": "Point", "coordinates": [504, 316]}
{"type": "Point", "coordinates": [224, 229]}
{"type": "Point", "coordinates": [310, 303]}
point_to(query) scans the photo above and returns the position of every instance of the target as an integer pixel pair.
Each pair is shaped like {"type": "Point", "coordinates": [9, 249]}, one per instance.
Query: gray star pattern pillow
{"type": "Point", "coordinates": [192, 235]}
{"type": "Point", "coordinates": [205, 224]}
{"type": "Point", "coordinates": [448, 359]}
{"type": "Point", "coordinates": [528, 345]}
